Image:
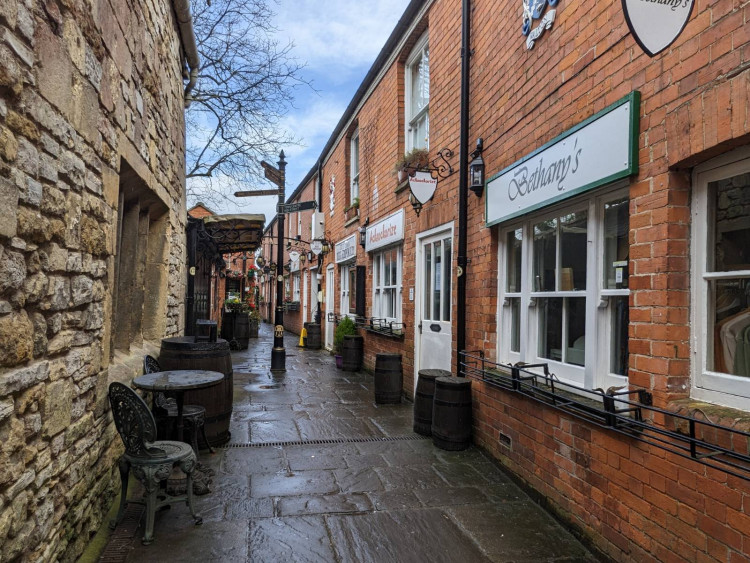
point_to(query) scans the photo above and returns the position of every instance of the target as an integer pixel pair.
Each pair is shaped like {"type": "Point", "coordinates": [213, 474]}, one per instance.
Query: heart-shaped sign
{"type": "Point", "coordinates": [656, 24]}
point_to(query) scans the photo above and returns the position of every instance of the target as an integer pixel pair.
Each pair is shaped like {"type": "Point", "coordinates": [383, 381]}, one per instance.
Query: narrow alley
{"type": "Point", "coordinates": [316, 471]}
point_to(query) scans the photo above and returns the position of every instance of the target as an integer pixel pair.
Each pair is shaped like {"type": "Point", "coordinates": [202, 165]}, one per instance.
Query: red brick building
{"type": "Point", "coordinates": [608, 242]}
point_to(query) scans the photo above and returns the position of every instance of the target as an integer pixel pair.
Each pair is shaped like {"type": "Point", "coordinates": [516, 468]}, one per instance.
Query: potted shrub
{"type": "Point", "coordinates": [254, 323]}
{"type": "Point", "coordinates": [353, 210]}
{"type": "Point", "coordinates": [345, 328]}
{"type": "Point", "coordinates": [412, 161]}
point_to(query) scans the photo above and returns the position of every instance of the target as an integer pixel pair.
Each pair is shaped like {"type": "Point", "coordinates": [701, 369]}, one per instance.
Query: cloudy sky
{"type": "Point", "coordinates": [338, 40]}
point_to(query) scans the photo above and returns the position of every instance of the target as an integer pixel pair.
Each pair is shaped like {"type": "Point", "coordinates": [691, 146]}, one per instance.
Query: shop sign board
{"type": "Point", "coordinates": [423, 186]}
{"type": "Point", "coordinates": [656, 24]}
{"type": "Point", "coordinates": [316, 247]}
{"type": "Point", "coordinates": [387, 231]}
{"type": "Point", "coordinates": [598, 151]}
{"type": "Point", "coordinates": [346, 249]}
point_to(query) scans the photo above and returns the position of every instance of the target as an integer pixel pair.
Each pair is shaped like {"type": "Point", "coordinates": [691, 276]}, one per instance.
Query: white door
{"type": "Point", "coordinates": [305, 275]}
{"type": "Point", "coordinates": [434, 335]}
{"type": "Point", "coordinates": [330, 297]}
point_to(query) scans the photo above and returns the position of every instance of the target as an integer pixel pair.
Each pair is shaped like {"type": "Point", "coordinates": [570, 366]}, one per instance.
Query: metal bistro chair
{"type": "Point", "coordinates": [193, 415]}
{"type": "Point", "coordinates": [152, 461]}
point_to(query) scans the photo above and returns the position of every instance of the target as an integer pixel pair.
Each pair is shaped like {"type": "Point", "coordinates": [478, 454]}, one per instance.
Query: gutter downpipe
{"type": "Point", "coordinates": [319, 274]}
{"type": "Point", "coordinates": [463, 188]}
{"type": "Point", "coordinates": [185, 23]}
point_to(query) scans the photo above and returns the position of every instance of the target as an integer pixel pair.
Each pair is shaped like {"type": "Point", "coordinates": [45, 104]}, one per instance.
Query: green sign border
{"type": "Point", "coordinates": [632, 167]}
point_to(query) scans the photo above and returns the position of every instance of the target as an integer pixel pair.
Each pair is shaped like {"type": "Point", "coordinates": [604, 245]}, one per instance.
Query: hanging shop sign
{"type": "Point", "coordinates": [423, 186]}
{"type": "Point", "coordinates": [316, 247]}
{"type": "Point", "coordinates": [294, 265]}
{"type": "Point", "coordinates": [388, 231]}
{"type": "Point", "coordinates": [600, 150]}
{"type": "Point", "coordinates": [535, 10]}
{"type": "Point", "coordinates": [656, 24]}
{"type": "Point", "coordinates": [346, 249]}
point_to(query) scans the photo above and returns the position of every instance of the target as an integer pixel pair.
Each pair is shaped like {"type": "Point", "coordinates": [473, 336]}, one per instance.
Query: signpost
{"type": "Point", "coordinates": [256, 192]}
{"type": "Point", "coordinates": [278, 353]}
{"type": "Point", "coordinates": [294, 207]}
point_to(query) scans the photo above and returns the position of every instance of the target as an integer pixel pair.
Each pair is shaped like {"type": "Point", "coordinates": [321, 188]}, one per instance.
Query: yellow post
{"type": "Point", "coordinates": [302, 338]}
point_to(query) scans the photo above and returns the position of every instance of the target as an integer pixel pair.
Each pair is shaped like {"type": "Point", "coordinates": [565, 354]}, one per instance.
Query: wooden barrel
{"type": "Point", "coordinates": [451, 413]}
{"type": "Point", "coordinates": [183, 352]}
{"type": "Point", "coordinates": [352, 351]}
{"type": "Point", "coordinates": [388, 379]}
{"type": "Point", "coordinates": [241, 330]}
{"type": "Point", "coordinates": [313, 336]}
{"type": "Point", "coordinates": [423, 399]}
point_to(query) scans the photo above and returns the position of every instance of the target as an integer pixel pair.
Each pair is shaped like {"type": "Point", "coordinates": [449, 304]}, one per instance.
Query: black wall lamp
{"type": "Point", "coordinates": [363, 233]}
{"type": "Point", "coordinates": [476, 170]}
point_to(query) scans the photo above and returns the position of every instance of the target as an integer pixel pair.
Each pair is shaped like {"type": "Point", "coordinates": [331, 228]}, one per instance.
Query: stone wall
{"type": "Point", "coordinates": [86, 89]}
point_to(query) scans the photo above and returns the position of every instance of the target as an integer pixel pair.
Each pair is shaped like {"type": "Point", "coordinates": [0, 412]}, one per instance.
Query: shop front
{"type": "Point", "coordinates": [562, 215]}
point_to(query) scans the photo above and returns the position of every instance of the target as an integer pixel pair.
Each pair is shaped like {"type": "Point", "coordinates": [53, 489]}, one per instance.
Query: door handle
{"type": "Point", "coordinates": [420, 328]}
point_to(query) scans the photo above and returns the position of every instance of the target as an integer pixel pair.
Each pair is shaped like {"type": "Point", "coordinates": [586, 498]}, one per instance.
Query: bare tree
{"type": "Point", "coordinates": [245, 88]}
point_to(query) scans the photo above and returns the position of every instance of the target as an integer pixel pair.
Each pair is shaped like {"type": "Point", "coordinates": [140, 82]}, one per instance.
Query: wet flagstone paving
{"type": "Point", "coordinates": [350, 500]}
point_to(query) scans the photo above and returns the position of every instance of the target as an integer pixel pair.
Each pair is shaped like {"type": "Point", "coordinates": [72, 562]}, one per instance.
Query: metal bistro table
{"type": "Point", "coordinates": [175, 383]}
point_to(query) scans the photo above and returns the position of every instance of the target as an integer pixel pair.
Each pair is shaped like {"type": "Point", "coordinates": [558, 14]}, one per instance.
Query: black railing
{"type": "Point", "coordinates": [626, 411]}
{"type": "Point", "coordinates": [386, 327]}
{"type": "Point", "coordinates": [372, 324]}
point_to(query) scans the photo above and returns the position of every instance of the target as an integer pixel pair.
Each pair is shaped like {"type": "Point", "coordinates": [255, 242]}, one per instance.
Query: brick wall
{"type": "Point", "coordinates": [631, 501]}
{"type": "Point", "coordinates": [91, 115]}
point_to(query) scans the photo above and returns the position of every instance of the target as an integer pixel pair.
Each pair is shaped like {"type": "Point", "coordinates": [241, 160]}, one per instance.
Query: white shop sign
{"type": "Point", "coordinates": [388, 231]}
{"type": "Point", "coordinates": [656, 24]}
{"type": "Point", "coordinates": [346, 249]}
{"type": "Point", "coordinates": [595, 152]}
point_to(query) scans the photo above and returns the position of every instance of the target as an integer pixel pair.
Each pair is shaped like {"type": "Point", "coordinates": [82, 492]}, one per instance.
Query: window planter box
{"type": "Point", "coordinates": [292, 305]}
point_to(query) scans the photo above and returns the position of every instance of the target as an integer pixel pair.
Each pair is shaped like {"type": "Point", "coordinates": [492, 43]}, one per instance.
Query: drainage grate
{"type": "Point", "coordinates": [326, 441]}
{"type": "Point", "coordinates": [121, 541]}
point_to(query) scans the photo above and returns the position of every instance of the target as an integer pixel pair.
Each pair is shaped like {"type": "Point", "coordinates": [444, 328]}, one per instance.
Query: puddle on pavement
{"type": "Point", "coordinates": [262, 386]}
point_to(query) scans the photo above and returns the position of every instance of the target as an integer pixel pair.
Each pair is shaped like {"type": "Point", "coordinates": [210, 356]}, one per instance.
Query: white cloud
{"type": "Point", "coordinates": [341, 34]}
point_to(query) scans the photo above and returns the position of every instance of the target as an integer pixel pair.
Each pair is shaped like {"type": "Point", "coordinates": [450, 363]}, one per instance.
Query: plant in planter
{"type": "Point", "coordinates": [353, 209]}
{"type": "Point", "coordinates": [412, 161]}
{"type": "Point", "coordinates": [254, 323]}
{"type": "Point", "coordinates": [345, 328]}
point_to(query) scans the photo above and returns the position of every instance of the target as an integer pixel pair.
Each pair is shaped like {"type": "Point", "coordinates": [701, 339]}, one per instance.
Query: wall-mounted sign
{"type": "Point", "coordinates": [293, 255]}
{"type": "Point", "coordinates": [423, 186]}
{"type": "Point", "coordinates": [387, 231]}
{"type": "Point", "coordinates": [346, 249]}
{"type": "Point", "coordinates": [534, 10]}
{"type": "Point", "coordinates": [656, 24]}
{"type": "Point", "coordinates": [316, 247]}
{"type": "Point", "coordinates": [294, 265]}
{"type": "Point", "coordinates": [595, 152]}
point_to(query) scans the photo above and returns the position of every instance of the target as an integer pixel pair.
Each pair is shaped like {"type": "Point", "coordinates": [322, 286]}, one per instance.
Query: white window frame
{"type": "Point", "coordinates": [707, 385]}
{"type": "Point", "coordinates": [378, 285]}
{"type": "Point", "coordinates": [596, 370]}
{"type": "Point", "coordinates": [295, 287]}
{"type": "Point", "coordinates": [419, 52]}
{"type": "Point", "coordinates": [354, 167]}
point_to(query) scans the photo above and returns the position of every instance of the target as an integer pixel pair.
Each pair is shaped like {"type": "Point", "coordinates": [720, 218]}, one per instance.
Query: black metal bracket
{"type": "Point", "coordinates": [440, 164]}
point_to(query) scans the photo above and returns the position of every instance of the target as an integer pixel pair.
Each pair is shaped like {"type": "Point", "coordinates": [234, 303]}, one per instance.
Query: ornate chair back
{"type": "Point", "coordinates": [150, 364]}
{"type": "Point", "coordinates": [133, 420]}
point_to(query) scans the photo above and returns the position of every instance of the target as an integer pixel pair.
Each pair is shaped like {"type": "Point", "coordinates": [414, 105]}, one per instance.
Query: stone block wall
{"type": "Point", "coordinates": [87, 89]}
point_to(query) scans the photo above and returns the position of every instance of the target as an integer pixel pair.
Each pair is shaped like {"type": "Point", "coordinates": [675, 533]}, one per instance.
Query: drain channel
{"type": "Point", "coordinates": [326, 441]}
